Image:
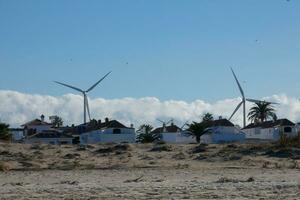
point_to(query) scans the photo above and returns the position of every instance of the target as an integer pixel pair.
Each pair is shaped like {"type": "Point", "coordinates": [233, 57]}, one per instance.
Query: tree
{"type": "Point", "coordinates": [146, 135]}
{"type": "Point", "coordinates": [261, 112]}
{"type": "Point", "coordinates": [4, 132]}
{"type": "Point", "coordinates": [56, 121]}
{"type": "Point", "coordinates": [207, 117]}
{"type": "Point", "coordinates": [198, 129]}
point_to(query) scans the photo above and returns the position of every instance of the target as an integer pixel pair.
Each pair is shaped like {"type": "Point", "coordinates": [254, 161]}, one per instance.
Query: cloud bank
{"type": "Point", "coordinates": [17, 108]}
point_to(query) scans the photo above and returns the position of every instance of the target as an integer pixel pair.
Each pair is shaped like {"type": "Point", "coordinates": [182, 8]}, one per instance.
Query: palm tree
{"type": "Point", "coordinates": [261, 112]}
{"type": "Point", "coordinates": [207, 117]}
{"type": "Point", "coordinates": [4, 132]}
{"type": "Point", "coordinates": [146, 135]}
{"type": "Point", "coordinates": [198, 129]}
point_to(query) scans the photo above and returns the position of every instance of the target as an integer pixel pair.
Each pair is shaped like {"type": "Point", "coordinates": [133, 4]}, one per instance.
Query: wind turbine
{"type": "Point", "coordinates": [244, 99]}
{"type": "Point", "coordinates": [86, 108]}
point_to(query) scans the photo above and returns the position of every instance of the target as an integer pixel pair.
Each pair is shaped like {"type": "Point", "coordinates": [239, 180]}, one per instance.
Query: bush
{"type": "Point", "coordinates": [148, 137]}
{"type": "Point", "coordinates": [285, 141]}
{"type": "Point", "coordinates": [119, 148]}
{"type": "Point", "coordinates": [4, 132]}
{"type": "Point", "coordinates": [160, 148]}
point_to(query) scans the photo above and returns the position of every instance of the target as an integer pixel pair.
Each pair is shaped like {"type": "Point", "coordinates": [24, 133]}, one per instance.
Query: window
{"type": "Point", "coordinates": [117, 131]}
{"type": "Point", "coordinates": [287, 129]}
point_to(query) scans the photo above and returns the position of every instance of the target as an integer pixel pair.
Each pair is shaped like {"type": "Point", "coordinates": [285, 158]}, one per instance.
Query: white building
{"type": "Point", "coordinates": [174, 134]}
{"type": "Point", "coordinates": [222, 131]}
{"type": "Point", "coordinates": [40, 131]}
{"type": "Point", "coordinates": [107, 132]}
{"type": "Point", "coordinates": [271, 130]}
{"type": "Point", "coordinates": [36, 126]}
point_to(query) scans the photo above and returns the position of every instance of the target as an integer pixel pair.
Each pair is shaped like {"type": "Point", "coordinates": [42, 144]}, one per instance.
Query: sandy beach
{"type": "Point", "coordinates": [149, 172]}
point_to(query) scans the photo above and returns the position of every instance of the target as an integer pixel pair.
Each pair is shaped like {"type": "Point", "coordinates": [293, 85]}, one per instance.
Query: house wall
{"type": "Point", "coordinates": [252, 133]}
{"type": "Point", "coordinates": [55, 141]}
{"type": "Point", "coordinates": [38, 128]}
{"type": "Point", "coordinates": [206, 139]}
{"type": "Point", "coordinates": [107, 136]}
{"type": "Point", "coordinates": [17, 135]}
{"type": "Point", "coordinates": [223, 134]}
{"type": "Point", "coordinates": [179, 138]}
{"type": "Point", "coordinates": [228, 137]}
{"type": "Point", "coordinates": [297, 128]}
{"type": "Point", "coordinates": [272, 133]}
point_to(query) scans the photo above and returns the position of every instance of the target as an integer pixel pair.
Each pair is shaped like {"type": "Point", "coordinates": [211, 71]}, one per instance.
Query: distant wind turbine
{"type": "Point", "coordinates": [86, 108]}
{"type": "Point", "coordinates": [244, 99]}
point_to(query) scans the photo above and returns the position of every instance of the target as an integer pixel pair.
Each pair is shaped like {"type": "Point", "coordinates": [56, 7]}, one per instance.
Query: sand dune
{"type": "Point", "coordinates": [150, 171]}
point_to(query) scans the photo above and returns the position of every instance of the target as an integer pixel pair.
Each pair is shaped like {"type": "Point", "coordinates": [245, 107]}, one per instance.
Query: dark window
{"type": "Point", "coordinates": [76, 140]}
{"type": "Point", "coordinates": [64, 142]}
{"type": "Point", "coordinates": [287, 129]}
{"type": "Point", "coordinates": [117, 131]}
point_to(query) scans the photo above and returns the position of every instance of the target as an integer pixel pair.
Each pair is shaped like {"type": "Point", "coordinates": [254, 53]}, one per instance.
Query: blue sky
{"type": "Point", "coordinates": [169, 49]}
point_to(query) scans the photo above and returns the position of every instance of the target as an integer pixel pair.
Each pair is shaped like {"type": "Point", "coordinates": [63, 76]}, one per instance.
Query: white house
{"type": "Point", "coordinates": [40, 131]}
{"type": "Point", "coordinates": [271, 130]}
{"type": "Point", "coordinates": [36, 126]}
{"type": "Point", "coordinates": [222, 131]}
{"type": "Point", "coordinates": [107, 132]}
{"type": "Point", "coordinates": [174, 134]}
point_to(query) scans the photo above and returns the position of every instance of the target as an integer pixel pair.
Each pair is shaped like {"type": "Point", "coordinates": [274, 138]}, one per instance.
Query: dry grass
{"type": "Point", "coordinates": [285, 141]}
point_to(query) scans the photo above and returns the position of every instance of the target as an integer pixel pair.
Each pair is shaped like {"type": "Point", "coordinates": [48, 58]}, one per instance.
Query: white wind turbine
{"type": "Point", "coordinates": [244, 99]}
{"type": "Point", "coordinates": [86, 108]}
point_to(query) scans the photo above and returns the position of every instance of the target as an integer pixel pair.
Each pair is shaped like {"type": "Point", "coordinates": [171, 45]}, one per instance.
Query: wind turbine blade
{"type": "Point", "coordinates": [184, 125]}
{"type": "Point", "coordinates": [87, 107]}
{"type": "Point", "coordinates": [237, 108]}
{"type": "Point", "coordinates": [259, 101]}
{"type": "Point", "coordinates": [254, 101]}
{"type": "Point", "coordinates": [160, 121]}
{"type": "Point", "coordinates": [69, 86]}
{"type": "Point", "coordinates": [169, 122]}
{"type": "Point", "coordinates": [98, 82]}
{"type": "Point", "coordinates": [238, 83]}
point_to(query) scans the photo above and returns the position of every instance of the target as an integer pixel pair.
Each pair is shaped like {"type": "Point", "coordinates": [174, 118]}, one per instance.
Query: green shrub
{"type": "Point", "coordinates": [4, 132]}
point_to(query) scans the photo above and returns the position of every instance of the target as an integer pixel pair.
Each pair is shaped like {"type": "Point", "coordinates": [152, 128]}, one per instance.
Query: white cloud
{"type": "Point", "coordinates": [17, 108]}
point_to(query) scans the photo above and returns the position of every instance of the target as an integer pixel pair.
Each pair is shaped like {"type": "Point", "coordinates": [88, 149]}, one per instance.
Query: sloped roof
{"type": "Point", "coordinates": [105, 124]}
{"type": "Point", "coordinates": [113, 124]}
{"type": "Point", "coordinates": [269, 124]}
{"type": "Point", "coordinates": [50, 134]}
{"type": "Point", "coordinates": [219, 122]}
{"type": "Point", "coordinates": [36, 122]}
{"type": "Point", "coordinates": [170, 129]}
{"type": "Point", "coordinates": [90, 126]}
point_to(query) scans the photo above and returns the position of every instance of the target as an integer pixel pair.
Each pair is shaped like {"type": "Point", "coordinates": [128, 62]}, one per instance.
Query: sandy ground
{"type": "Point", "coordinates": [152, 184]}
{"type": "Point", "coordinates": [148, 172]}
